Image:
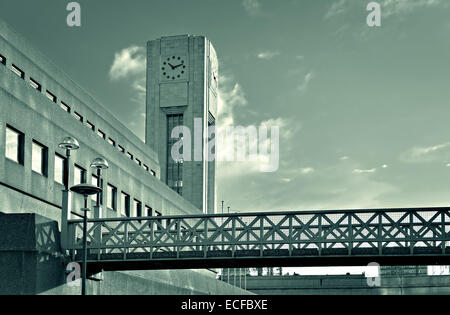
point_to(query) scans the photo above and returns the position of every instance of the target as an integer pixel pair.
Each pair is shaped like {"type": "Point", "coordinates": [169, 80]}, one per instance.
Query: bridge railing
{"type": "Point", "coordinates": [308, 233]}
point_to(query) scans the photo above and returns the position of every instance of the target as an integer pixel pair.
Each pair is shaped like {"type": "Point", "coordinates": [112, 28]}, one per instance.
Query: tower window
{"type": "Point", "coordinates": [2, 60]}
{"type": "Point", "coordinates": [15, 145]}
{"type": "Point", "coordinates": [174, 168]}
{"type": "Point", "coordinates": [18, 71]}
{"type": "Point", "coordinates": [39, 156]}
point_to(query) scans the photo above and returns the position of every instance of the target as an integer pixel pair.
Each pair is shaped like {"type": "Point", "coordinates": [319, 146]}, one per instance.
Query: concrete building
{"type": "Point", "coordinates": [40, 105]}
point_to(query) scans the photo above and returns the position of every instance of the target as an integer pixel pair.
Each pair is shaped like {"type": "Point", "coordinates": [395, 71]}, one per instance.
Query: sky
{"type": "Point", "coordinates": [362, 111]}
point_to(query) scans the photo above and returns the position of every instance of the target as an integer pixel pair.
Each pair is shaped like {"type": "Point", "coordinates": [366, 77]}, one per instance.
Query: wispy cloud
{"type": "Point", "coordinates": [129, 61]}
{"type": "Point", "coordinates": [306, 81]}
{"type": "Point", "coordinates": [425, 154]}
{"type": "Point", "coordinates": [253, 7]}
{"type": "Point", "coordinates": [359, 171]}
{"type": "Point", "coordinates": [337, 8]}
{"type": "Point", "coordinates": [266, 55]}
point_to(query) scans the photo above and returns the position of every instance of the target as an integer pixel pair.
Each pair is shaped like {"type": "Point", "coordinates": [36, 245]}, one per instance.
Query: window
{"type": "Point", "coordinates": [35, 85]}
{"type": "Point", "coordinates": [101, 134]}
{"type": "Point", "coordinates": [78, 117]}
{"type": "Point", "coordinates": [39, 157]}
{"type": "Point", "coordinates": [112, 197]}
{"type": "Point", "coordinates": [2, 60]}
{"type": "Point", "coordinates": [137, 208]}
{"type": "Point", "coordinates": [112, 142]}
{"type": "Point", "coordinates": [174, 168]}
{"type": "Point", "coordinates": [138, 162]}
{"type": "Point", "coordinates": [125, 207]}
{"type": "Point", "coordinates": [50, 96]}
{"type": "Point", "coordinates": [158, 214]}
{"type": "Point", "coordinates": [90, 125]}
{"type": "Point", "coordinates": [153, 173]}
{"type": "Point", "coordinates": [79, 175]}
{"type": "Point", "coordinates": [121, 149]}
{"type": "Point", "coordinates": [148, 211]}
{"type": "Point", "coordinates": [146, 168]}
{"type": "Point", "coordinates": [60, 163]}
{"type": "Point", "coordinates": [15, 145]}
{"type": "Point", "coordinates": [65, 107]}
{"type": "Point", "coordinates": [17, 71]}
{"type": "Point", "coordinates": [130, 155]}
{"type": "Point", "coordinates": [95, 182]}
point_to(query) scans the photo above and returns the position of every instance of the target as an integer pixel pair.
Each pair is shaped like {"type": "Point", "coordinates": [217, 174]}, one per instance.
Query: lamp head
{"type": "Point", "coordinates": [100, 164]}
{"type": "Point", "coordinates": [86, 189]}
{"type": "Point", "coordinates": [69, 143]}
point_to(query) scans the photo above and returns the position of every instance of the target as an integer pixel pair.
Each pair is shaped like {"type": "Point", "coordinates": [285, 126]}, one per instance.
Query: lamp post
{"type": "Point", "coordinates": [86, 190]}
{"type": "Point", "coordinates": [99, 164]}
{"type": "Point", "coordinates": [69, 144]}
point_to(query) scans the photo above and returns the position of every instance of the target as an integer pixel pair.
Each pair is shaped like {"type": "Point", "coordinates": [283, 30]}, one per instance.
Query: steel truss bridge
{"type": "Point", "coordinates": [307, 238]}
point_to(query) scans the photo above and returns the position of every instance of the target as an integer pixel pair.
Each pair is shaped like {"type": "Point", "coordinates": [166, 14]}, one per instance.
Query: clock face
{"type": "Point", "coordinates": [173, 68]}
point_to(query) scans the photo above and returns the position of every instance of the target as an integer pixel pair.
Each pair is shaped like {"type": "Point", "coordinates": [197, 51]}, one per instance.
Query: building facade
{"type": "Point", "coordinates": [39, 106]}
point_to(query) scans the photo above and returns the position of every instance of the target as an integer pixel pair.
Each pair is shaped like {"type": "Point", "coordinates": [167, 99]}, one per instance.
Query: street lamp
{"type": "Point", "coordinates": [86, 190]}
{"type": "Point", "coordinates": [69, 144]}
{"type": "Point", "coordinates": [99, 164]}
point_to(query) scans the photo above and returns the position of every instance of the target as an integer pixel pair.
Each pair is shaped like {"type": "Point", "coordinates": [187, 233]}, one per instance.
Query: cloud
{"type": "Point", "coordinates": [359, 171]}
{"type": "Point", "coordinates": [337, 8]}
{"type": "Point", "coordinates": [252, 7]}
{"type": "Point", "coordinates": [425, 154]}
{"type": "Point", "coordinates": [306, 81]}
{"type": "Point", "coordinates": [267, 55]}
{"type": "Point", "coordinates": [128, 62]}
{"type": "Point", "coordinates": [307, 170]}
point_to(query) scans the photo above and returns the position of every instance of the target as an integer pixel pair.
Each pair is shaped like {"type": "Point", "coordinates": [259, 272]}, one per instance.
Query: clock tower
{"type": "Point", "coordinates": [182, 83]}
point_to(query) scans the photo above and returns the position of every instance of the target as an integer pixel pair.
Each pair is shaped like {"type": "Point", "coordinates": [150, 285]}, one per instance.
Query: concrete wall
{"type": "Point", "coordinates": [350, 284]}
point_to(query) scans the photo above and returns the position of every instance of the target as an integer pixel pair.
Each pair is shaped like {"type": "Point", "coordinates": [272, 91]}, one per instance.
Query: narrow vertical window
{"type": "Point", "coordinates": [112, 197]}
{"type": "Point", "coordinates": [138, 208]}
{"type": "Point", "coordinates": [60, 162]}
{"type": "Point", "coordinates": [174, 168]}
{"type": "Point", "coordinates": [39, 158]}
{"type": "Point", "coordinates": [125, 206]}
{"type": "Point", "coordinates": [79, 176]}
{"type": "Point", "coordinates": [15, 145]}
{"type": "Point", "coordinates": [95, 181]}
{"type": "Point", "coordinates": [148, 211]}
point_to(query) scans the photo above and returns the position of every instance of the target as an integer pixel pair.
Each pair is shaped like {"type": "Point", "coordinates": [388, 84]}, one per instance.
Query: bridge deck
{"type": "Point", "coordinates": [319, 238]}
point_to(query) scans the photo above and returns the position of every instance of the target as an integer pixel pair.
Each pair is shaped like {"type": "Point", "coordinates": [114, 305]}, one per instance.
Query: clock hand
{"type": "Point", "coordinates": [173, 68]}
{"type": "Point", "coordinates": [177, 66]}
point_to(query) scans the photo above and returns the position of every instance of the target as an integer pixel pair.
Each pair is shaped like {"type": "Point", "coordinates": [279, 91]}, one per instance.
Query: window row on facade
{"type": "Point", "coordinates": [15, 151]}
{"type": "Point", "coordinates": [52, 97]}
